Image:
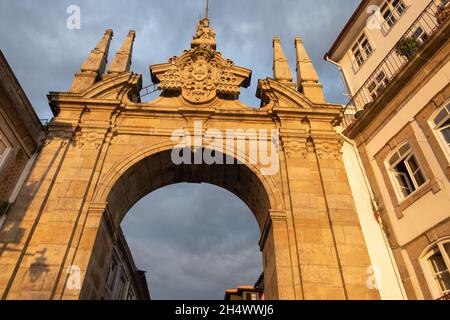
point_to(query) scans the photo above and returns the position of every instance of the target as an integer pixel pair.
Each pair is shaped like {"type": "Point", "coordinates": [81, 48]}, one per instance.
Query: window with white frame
{"type": "Point", "coordinates": [4, 149]}
{"type": "Point", "coordinates": [441, 126]}
{"type": "Point", "coordinates": [378, 84]}
{"type": "Point", "coordinates": [122, 287]}
{"type": "Point", "coordinates": [406, 171]}
{"type": "Point", "coordinates": [361, 51]}
{"type": "Point", "coordinates": [253, 296]}
{"type": "Point", "coordinates": [436, 265]}
{"type": "Point", "coordinates": [420, 35]}
{"type": "Point", "coordinates": [131, 295]}
{"type": "Point", "coordinates": [112, 273]}
{"type": "Point", "coordinates": [391, 11]}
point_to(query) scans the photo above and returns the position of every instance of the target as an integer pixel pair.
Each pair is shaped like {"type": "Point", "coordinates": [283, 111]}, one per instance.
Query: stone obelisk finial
{"type": "Point", "coordinates": [281, 70]}
{"type": "Point", "coordinates": [94, 66]}
{"type": "Point", "coordinates": [307, 78]}
{"type": "Point", "coordinates": [122, 60]}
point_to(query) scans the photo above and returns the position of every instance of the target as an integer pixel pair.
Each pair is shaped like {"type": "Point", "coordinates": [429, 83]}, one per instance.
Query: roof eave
{"type": "Point", "coordinates": [346, 28]}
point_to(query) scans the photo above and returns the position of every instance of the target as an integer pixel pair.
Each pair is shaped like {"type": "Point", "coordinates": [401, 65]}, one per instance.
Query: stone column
{"type": "Point", "coordinates": [278, 276]}
{"type": "Point", "coordinates": [46, 220]}
{"type": "Point", "coordinates": [89, 256]}
{"type": "Point", "coordinates": [326, 225]}
{"type": "Point", "coordinates": [346, 234]}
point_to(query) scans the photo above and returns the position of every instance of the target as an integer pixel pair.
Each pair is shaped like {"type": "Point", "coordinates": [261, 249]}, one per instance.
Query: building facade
{"type": "Point", "coordinates": [124, 281]}
{"type": "Point", "coordinates": [244, 293]}
{"type": "Point", "coordinates": [21, 133]}
{"type": "Point", "coordinates": [255, 292]}
{"type": "Point", "coordinates": [394, 58]}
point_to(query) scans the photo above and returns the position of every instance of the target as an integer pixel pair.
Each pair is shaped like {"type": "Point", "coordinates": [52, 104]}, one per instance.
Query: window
{"type": "Point", "coordinates": [361, 50]}
{"type": "Point", "coordinates": [121, 287]}
{"type": "Point", "coordinates": [378, 84]}
{"type": "Point", "coordinates": [406, 171]}
{"type": "Point", "coordinates": [251, 296]}
{"type": "Point", "coordinates": [131, 295]}
{"type": "Point", "coordinates": [391, 11]}
{"type": "Point", "coordinates": [388, 16]}
{"type": "Point", "coordinates": [436, 265]}
{"type": "Point", "coordinates": [441, 126]}
{"type": "Point", "coordinates": [112, 273]}
{"type": "Point", "coordinates": [4, 149]}
{"type": "Point", "coordinates": [420, 35]}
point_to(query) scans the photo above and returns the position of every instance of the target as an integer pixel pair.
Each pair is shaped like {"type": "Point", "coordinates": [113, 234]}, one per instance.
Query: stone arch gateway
{"type": "Point", "coordinates": [106, 149]}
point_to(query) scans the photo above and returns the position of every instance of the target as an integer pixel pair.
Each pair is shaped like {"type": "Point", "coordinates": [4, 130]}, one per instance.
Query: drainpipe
{"type": "Point", "coordinates": [344, 76]}
{"type": "Point", "coordinates": [376, 209]}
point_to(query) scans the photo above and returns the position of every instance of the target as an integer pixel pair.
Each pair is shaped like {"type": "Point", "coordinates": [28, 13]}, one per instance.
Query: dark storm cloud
{"type": "Point", "coordinates": [195, 241]}
{"type": "Point", "coordinates": [45, 54]}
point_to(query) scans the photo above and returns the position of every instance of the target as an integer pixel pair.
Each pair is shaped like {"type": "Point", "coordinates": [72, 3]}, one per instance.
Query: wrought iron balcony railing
{"type": "Point", "coordinates": [392, 64]}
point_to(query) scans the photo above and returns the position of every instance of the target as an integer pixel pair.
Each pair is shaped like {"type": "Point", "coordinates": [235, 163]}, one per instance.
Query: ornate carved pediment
{"type": "Point", "coordinates": [201, 74]}
{"type": "Point", "coordinates": [270, 90]}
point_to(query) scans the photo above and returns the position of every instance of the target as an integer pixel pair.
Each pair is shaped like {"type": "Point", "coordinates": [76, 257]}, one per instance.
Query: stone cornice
{"type": "Point", "coordinates": [112, 90]}
{"type": "Point", "coordinates": [272, 216]}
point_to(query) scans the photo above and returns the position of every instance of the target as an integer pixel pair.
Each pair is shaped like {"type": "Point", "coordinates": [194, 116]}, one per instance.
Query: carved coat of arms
{"type": "Point", "coordinates": [199, 80]}
{"type": "Point", "coordinates": [199, 75]}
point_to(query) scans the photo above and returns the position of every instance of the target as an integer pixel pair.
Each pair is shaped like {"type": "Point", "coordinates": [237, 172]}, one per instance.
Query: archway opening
{"type": "Point", "coordinates": [134, 179]}
{"type": "Point", "coordinates": [194, 241]}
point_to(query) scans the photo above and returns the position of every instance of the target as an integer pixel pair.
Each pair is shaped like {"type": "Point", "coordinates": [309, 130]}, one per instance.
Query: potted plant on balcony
{"type": "Point", "coordinates": [443, 12]}
{"type": "Point", "coordinates": [407, 47]}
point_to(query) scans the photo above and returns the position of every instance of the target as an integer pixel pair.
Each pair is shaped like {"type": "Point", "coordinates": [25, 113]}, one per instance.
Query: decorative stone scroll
{"type": "Point", "coordinates": [294, 148]}
{"type": "Point", "coordinates": [329, 148]}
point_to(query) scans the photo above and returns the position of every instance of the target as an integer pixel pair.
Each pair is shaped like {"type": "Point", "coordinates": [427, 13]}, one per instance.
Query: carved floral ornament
{"type": "Point", "coordinates": [295, 147]}
{"type": "Point", "coordinates": [325, 149]}
{"type": "Point", "coordinates": [199, 75]}
{"type": "Point", "coordinates": [89, 138]}
{"type": "Point", "coordinates": [329, 150]}
{"type": "Point", "coordinates": [62, 137]}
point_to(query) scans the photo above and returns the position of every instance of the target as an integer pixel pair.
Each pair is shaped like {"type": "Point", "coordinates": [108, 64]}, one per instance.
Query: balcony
{"type": "Point", "coordinates": [421, 30]}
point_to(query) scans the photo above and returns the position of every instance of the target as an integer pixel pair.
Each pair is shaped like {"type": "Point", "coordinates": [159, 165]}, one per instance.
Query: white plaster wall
{"type": "Point", "coordinates": [381, 43]}
{"type": "Point", "coordinates": [390, 286]}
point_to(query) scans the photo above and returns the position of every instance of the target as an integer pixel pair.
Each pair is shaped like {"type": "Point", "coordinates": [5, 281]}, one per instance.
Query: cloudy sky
{"type": "Point", "coordinates": [195, 241]}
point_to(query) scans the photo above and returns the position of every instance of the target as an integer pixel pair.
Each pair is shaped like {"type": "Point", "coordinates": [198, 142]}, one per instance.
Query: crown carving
{"type": "Point", "coordinates": [204, 36]}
